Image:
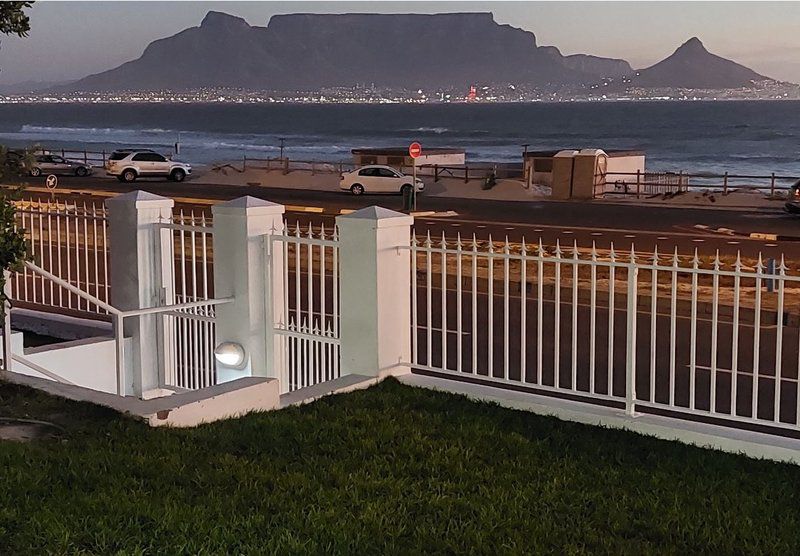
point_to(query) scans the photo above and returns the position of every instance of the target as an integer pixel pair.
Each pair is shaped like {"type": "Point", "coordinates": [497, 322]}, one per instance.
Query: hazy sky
{"type": "Point", "coordinates": [72, 39]}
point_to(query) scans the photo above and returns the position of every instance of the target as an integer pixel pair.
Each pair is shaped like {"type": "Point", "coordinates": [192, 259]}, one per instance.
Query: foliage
{"type": "Point", "coordinates": [13, 246]}
{"type": "Point", "coordinates": [388, 470]}
{"type": "Point", "coordinates": [13, 20]}
{"type": "Point", "coordinates": [13, 250]}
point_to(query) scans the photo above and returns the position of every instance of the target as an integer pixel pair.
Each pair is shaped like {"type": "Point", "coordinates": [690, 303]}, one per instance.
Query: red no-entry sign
{"type": "Point", "coordinates": [415, 150]}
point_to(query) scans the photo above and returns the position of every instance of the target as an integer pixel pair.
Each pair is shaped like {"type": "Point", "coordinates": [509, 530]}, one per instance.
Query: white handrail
{"type": "Point", "coordinates": [77, 291]}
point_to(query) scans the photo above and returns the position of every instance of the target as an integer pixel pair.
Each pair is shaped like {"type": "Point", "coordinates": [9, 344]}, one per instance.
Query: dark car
{"type": "Point", "coordinates": [54, 164]}
{"type": "Point", "coordinates": [793, 203]}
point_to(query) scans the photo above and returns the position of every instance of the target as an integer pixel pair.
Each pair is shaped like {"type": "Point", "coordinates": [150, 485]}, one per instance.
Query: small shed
{"type": "Point", "coordinates": [621, 166]}
{"type": "Point", "coordinates": [398, 157]}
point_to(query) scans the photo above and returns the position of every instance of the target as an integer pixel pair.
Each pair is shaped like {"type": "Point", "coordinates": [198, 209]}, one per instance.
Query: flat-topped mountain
{"type": "Point", "coordinates": [692, 66]}
{"type": "Point", "coordinates": [312, 51]}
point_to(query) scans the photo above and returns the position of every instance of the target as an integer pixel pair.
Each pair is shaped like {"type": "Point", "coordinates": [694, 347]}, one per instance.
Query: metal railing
{"type": "Point", "coordinates": [70, 241]}
{"type": "Point", "coordinates": [307, 322]}
{"type": "Point", "coordinates": [191, 333]}
{"type": "Point", "coordinates": [693, 338]}
{"type": "Point", "coordinates": [654, 183]}
{"type": "Point", "coordinates": [180, 310]}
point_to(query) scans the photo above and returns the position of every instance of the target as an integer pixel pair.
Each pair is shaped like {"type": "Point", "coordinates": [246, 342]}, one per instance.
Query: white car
{"type": "Point", "coordinates": [129, 164]}
{"type": "Point", "coordinates": [377, 179]}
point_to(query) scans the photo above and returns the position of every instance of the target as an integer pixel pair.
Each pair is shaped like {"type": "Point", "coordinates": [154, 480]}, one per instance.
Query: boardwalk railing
{"type": "Point", "coordinates": [654, 183]}
{"type": "Point", "coordinates": [644, 332]}
{"type": "Point", "coordinates": [69, 240]}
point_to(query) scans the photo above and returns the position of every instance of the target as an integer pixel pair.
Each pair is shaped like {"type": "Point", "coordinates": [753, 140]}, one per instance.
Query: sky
{"type": "Point", "coordinates": [69, 40]}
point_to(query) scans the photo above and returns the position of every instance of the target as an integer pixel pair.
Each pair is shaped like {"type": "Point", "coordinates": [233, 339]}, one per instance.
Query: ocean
{"type": "Point", "coordinates": [743, 137]}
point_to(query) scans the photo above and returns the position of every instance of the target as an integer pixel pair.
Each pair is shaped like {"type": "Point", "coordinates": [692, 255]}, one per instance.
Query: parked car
{"type": "Point", "coordinates": [129, 164]}
{"type": "Point", "coordinates": [54, 164]}
{"type": "Point", "coordinates": [377, 179]}
{"type": "Point", "coordinates": [793, 203]}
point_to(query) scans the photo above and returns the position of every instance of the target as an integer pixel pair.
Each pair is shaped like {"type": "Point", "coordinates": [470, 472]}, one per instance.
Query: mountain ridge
{"type": "Point", "coordinates": [307, 51]}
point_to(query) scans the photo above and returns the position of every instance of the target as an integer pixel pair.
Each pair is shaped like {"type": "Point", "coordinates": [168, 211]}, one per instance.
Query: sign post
{"type": "Point", "coordinates": [414, 151]}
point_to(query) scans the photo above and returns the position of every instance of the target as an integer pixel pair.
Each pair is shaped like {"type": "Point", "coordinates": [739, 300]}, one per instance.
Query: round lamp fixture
{"type": "Point", "coordinates": [230, 354]}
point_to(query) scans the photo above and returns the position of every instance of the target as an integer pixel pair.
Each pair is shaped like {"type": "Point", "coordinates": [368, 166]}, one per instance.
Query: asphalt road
{"type": "Point", "coordinates": [601, 222]}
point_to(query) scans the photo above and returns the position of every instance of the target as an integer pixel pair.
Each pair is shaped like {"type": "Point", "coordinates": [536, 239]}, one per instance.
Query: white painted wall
{"type": "Point", "coordinates": [624, 164]}
{"type": "Point", "coordinates": [89, 363]}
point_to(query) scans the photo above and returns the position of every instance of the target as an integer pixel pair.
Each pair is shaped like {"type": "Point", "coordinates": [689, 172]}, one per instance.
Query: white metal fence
{"type": "Point", "coordinates": [69, 240]}
{"type": "Point", "coordinates": [190, 333]}
{"type": "Point", "coordinates": [706, 339]}
{"type": "Point", "coordinates": [307, 324]}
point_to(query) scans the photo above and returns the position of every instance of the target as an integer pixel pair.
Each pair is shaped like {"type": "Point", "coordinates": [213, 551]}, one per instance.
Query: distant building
{"type": "Point", "coordinates": [398, 157]}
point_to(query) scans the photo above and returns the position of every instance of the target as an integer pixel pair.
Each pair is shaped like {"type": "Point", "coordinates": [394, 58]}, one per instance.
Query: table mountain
{"type": "Point", "coordinates": [311, 51]}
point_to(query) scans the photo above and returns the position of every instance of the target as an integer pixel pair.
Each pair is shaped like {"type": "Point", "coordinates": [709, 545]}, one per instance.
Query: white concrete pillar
{"type": "Point", "coordinates": [241, 270]}
{"type": "Point", "coordinates": [375, 292]}
{"type": "Point", "coordinates": [142, 269]}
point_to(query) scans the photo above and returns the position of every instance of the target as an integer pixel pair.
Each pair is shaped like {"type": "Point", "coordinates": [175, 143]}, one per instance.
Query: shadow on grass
{"type": "Point", "coordinates": [389, 469]}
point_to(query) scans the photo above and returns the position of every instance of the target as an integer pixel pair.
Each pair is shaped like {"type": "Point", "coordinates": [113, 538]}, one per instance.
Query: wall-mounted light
{"type": "Point", "coordinates": [230, 354]}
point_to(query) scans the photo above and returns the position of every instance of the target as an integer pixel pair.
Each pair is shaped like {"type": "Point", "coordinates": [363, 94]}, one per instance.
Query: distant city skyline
{"type": "Point", "coordinates": [69, 40]}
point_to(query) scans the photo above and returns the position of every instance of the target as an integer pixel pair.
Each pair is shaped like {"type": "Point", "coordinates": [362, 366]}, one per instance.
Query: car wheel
{"type": "Point", "coordinates": [177, 175]}
{"type": "Point", "coordinates": [36, 172]}
{"type": "Point", "coordinates": [129, 176]}
{"type": "Point", "coordinates": [81, 172]}
{"type": "Point", "coordinates": [357, 189]}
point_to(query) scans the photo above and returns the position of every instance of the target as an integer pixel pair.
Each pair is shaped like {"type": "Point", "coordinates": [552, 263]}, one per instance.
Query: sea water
{"type": "Point", "coordinates": [744, 137]}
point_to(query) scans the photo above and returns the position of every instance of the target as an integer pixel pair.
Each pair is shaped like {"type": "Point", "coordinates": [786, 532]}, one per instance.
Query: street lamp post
{"type": "Point", "coordinates": [282, 140]}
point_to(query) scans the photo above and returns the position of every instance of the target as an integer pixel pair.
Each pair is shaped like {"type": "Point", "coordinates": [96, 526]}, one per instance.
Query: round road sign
{"type": "Point", "coordinates": [415, 150]}
{"type": "Point", "coordinates": [51, 181]}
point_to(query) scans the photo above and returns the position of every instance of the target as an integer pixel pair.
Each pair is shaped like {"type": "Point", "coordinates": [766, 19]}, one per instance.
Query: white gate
{"type": "Point", "coordinates": [189, 334]}
{"type": "Point", "coordinates": [306, 325]}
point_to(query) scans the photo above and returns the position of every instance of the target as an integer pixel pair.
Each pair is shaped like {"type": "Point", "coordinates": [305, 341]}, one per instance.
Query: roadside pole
{"type": "Point", "coordinates": [414, 151]}
{"type": "Point", "coordinates": [414, 187]}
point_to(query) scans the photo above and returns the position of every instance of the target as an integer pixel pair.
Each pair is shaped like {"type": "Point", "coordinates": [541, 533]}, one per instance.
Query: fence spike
{"type": "Point", "coordinates": [575, 249]}
{"type": "Point", "coordinates": [760, 265]}
{"type": "Point", "coordinates": [322, 231]}
{"type": "Point", "coordinates": [297, 229]}
{"type": "Point", "coordinates": [655, 255]}
{"type": "Point", "coordinates": [738, 264]}
{"type": "Point", "coordinates": [541, 248]}
{"type": "Point", "coordinates": [444, 241]}
{"type": "Point", "coordinates": [491, 244]}
{"type": "Point", "coordinates": [611, 254]}
{"type": "Point", "coordinates": [310, 231]}
{"type": "Point", "coordinates": [474, 242]}
{"type": "Point", "coordinates": [558, 248]}
{"type": "Point", "coordinates": [717, 262]}
{"type": "Point", "coordinates": [696, 259]}
{"type": "Point", "coordinates": [676, 258]}
{"type": "Point", "coordinates": [428, 239]}
{"type": "Point", "coordinates": [458, 241]}
{"type": "Point", "coordinates": [782, 267]}
{"type": "Point", "coordinates": [523, 247]}
{"type": "Point", "coordinates": [506, 247]}
{"type": "Point", "coordinates": [594, 251]}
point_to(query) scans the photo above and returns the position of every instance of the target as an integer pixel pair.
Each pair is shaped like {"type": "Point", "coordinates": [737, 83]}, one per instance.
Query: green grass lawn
{"type": "Point", "coordinates": [391, 469]}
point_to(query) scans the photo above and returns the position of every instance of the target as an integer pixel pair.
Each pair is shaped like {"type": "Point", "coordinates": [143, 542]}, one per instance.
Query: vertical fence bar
{"type": "Point", "coordinates": [459, 305]}
{"type": "Point", "coordinates": [757, 338]}
{"type": "Point", "coordinates": [523, 312]}
{"type": "Point", "coordinates": [630, 363]}
{"type": "Point", "coordinates": [611, 288]}
{"type": "Point", "coordinates": [693, 334]}
{"type": "Point", "coordinates": [444, 302]}
{"type": "Point", "coordinates": [737, 278]}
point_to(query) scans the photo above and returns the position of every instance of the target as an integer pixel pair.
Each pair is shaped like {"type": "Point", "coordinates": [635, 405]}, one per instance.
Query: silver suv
{"type": "Point", "coordinates": [129, 164]}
